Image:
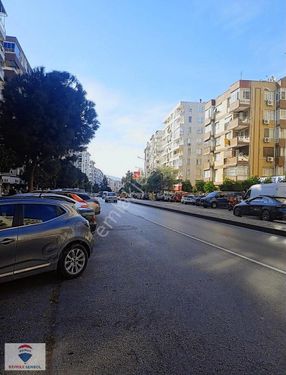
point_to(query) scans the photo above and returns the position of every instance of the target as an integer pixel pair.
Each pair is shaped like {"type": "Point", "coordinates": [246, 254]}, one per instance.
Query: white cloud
{"type": "Point", "coordinates": [126, 125]}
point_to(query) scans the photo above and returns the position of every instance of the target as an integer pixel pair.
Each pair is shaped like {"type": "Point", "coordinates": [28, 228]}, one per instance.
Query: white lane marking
{"type": "Point", "coordinates": [217, 247]}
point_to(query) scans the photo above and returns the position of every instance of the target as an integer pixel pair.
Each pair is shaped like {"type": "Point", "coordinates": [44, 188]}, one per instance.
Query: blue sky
{"type": "Point", "coordinates": [137, 59]}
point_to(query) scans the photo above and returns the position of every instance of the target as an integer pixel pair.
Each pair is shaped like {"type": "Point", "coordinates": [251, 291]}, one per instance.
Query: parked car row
{"type": "Point", "coordinates": [215, 199]}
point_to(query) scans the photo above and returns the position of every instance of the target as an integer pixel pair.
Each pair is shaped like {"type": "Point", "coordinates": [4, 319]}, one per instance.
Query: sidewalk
{"type": "Point", "coordinates": [219, 215]}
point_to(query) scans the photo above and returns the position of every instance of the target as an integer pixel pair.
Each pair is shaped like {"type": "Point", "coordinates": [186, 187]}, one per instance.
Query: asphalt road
{"type": "Point", "coordinates": [164, 293]}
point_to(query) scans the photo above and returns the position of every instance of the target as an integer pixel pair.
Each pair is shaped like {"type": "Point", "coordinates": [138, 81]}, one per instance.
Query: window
{"type": "Point", "coordinates": [190, 118]}
{"type": "Point", "coordinates": [283, 94]}
{"type": "Point", "coordinates": [268, 132]}
{"type": "Point", "coordinates": [268, 115]}
{"type": "Point", "coordinates": [268, 151]}
{"type": "Point", "coordinates": [268, 95]}
{"type": "Point", "coordinates": [6, 215]}
{"type": "Point", "coordinates": [283, 114]}
{"type": "Point", "coordinates": [207, 174]}
{"type": "Point", "coordinates": [245, 94]}
{"type": "Point", "coordinates": [39, 213]}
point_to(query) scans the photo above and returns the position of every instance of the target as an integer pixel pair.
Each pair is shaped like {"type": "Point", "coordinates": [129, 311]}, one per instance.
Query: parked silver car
{"type": "Point", "coordinates": [38, 235]}
{"type": "Point", "coordinates": [110, 197]}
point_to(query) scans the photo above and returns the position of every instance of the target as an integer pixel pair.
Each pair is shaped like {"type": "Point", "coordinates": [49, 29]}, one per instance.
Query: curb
{"type": "Point", "coordinates": [219, 219]}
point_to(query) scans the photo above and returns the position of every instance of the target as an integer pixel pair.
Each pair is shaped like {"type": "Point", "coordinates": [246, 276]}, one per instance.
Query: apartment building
{"type": "Point", "coordinates": [153, 152]}
{"type": "Point", "coordinates": [3, 14]}
{"type": "Point", "coordinates": [245, 131]}
{"type": "Point", "coordinates": [183, 140]}
{"type": "Point", "coordinates": [16, 61]}
{"type": "Point", "coordinates": [179, 144]}
{"type": "Point", "coordinates": [83, 162]}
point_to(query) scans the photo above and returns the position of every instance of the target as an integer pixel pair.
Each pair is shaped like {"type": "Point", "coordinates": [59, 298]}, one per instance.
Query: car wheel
{"type": "Point", "coordinates": [213, 205]}
{"type": "Point", "coordinates": [237, 211]}
{"type": "Point", "coordinates": [266, 216]}
{"type": "Point", "coordinates": [73, 261]}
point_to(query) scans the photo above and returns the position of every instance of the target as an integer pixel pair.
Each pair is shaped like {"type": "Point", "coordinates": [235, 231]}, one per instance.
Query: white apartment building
{"type": "Point", "coordinates": [153, 152]}
{"type": "Point", "coordinates": [183, 140]}
{"type": "Point", "coordinates": [83, 162]}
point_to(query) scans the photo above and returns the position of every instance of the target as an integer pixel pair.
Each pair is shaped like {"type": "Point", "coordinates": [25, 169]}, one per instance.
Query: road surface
{"type": "Point", "coordinates": [164, 293]}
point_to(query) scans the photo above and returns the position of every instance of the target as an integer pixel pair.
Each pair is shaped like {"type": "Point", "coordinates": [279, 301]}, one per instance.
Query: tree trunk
{"type": "Point", "coordinates": [31, 178]}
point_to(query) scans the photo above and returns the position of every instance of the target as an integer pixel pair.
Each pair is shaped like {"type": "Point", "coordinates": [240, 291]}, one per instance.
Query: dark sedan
{"type": "Point", "coordinates": [266, 207]}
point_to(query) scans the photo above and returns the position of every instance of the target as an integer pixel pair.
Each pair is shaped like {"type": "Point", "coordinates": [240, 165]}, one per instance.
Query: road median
{"type": "Point", "coordinates": [218, 215]}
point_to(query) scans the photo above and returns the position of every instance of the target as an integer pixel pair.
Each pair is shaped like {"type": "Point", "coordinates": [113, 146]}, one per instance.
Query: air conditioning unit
{"type": "Point", "coordinates": [269, 102]}
{"type": "Point", "coordinates": [266, 122]}
{"type": "Point", "coordinates": [266, 140]}
{"type": "Point", "coordinates": [270, 159]}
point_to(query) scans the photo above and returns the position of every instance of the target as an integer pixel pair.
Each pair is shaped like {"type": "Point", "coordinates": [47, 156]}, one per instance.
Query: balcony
{"type": "Point", "coordinates": [230, 162]}
{"type": "Point", "coordinates": [241, 159]}
{"type": "Point", "coordinates": [207, 136]}
{"type": "Point", "coordinates": [239, 105]}
{"type": "Point", "coordinates": [239, 141]}
{"type": "Point", "coordinates": [237, 124]}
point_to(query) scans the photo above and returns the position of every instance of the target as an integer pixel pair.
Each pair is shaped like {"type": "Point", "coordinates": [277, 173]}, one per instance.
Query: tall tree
{"type": "Point", "coordinates": [45, 116]}
{"type": "Point", "coordinates": [104, 185]}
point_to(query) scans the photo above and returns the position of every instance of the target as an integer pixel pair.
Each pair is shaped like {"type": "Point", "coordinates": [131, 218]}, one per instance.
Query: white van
{"type": "Point", "coordinates": [275, 189]}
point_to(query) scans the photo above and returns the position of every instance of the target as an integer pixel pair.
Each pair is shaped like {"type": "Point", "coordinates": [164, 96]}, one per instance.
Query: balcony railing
{"type": "Point", "coordinates": [237, 124]}
{"type": "Point", "coordinates": [239, 105]}
{"type": "Point", "coordinates": [239, 141]}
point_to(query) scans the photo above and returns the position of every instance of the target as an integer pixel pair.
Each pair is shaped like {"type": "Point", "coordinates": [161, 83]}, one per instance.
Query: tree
{"type": "Point", "coordinates": [104, 185]}
{"type": "Point", "coordinates": [187, 186]}
{"type": "Point", "coordinates": [161, 179]}
{"type": "Point", "coordinates": [200, 186]}
{"type": "Point", "coordinates": [209, 187]}
{"type": "Point", "coordinates": [246, 184]}
{"type": "Point", "coordinates": [45, 116]}
{"type": "Point", "coordinates": [95, 188]}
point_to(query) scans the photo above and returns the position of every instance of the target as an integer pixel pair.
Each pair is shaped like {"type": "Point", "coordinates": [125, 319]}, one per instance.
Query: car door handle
{"type": "Point", "coordinates": [6, 241]}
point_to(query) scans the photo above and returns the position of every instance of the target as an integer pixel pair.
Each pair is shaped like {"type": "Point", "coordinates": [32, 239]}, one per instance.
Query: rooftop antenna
{"type": "Point", "coordinates": [241, 75]}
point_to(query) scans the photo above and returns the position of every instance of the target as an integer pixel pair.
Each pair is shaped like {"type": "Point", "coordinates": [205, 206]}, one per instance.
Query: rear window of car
{"type": "Point", "coordinates": [7, 213]}
{"type": "Point", "coordinates": [40, 213]}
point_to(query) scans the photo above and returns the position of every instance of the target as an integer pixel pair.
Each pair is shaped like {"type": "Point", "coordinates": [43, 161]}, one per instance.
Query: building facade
{"type": "Point", "coordinates": [83, 162]}
{"type": "Point", "coordinates": [3, 14]}
{"type": "Point", "coordinates": [153, 152]}
{"type": "Point", "coordinates": [16, 61]}
{"type": "Point", "coordinates": [244, 131]}
{"type": "Point", "coordinates": [179, 144]}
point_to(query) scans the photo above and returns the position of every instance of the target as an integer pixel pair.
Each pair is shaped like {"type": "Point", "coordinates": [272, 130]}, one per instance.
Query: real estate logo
{"type": "Point", "coordinates": [25, 357]}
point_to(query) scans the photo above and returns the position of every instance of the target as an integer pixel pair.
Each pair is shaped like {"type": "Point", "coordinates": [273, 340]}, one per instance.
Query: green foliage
{"type": "Point", "coordinates": [209, 187]}
{"type": "Point", "coordinates": [246, 184]}
{"type": "Point", "coordinates": [104, 185]}
{"type": "Point", "coordinates": [95, 188]}
{"type": "Point", "coordinates": [58, 174]}
{"type": "Point", "coordinates": [45, 116]}
{"type": "Point", "coordinates": [161, 179]}
{"type": "Point", "coordinates": [200, 186]}
{"type": "Point", "coordinates": [187, 186]}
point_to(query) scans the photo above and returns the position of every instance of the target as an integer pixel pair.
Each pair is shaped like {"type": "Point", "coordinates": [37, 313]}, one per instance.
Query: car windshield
{"type": "Point", "coordinates": [111, 194]}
